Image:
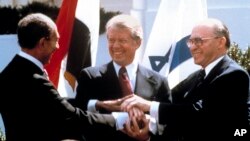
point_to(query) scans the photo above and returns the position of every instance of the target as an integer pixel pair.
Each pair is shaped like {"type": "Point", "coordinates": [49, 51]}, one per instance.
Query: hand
{"type": "Point", "coordinates": [133, 129]}
{"type": "Point", "coordinates": [135, 101]}
{"type": "Point", "coordinates": [109, 105]}
{"type": "Point", "coordinates": [136, 112]}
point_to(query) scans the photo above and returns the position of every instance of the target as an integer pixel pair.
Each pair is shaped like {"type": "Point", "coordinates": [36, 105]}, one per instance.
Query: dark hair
{"type": "Point", "coordinates": [32, 28]}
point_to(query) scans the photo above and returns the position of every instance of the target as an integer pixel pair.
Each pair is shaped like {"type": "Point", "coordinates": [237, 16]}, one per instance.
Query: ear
{"type": "Point", "coordinates": [138, 42]}
{"type": "Point", "coordinates": [41, 42]}
{"type": "Point", "coordinates": [223, 41]}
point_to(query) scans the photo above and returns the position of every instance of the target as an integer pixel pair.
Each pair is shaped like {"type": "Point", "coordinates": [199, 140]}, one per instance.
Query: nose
{"type": "Point", "coordinates": [116, 44]}
{"type": "Point", "coordinates": [192, 46]}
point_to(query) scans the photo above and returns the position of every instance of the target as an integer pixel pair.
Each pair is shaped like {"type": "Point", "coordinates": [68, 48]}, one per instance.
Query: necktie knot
{"type": "Point", "coordinates": [123, 73]}
{"type": "Point", "coordinates": [202, 74]}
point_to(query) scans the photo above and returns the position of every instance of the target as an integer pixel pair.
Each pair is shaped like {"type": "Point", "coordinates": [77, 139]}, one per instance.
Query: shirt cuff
{"type": "Point", "coordinates": [91, 105]}
{"type": "Point", "coordinates": [154, 110]}
{"type": "Point", "coordinates": [153, 123]}
{"type": "Point", "coordinates": [121, 118]}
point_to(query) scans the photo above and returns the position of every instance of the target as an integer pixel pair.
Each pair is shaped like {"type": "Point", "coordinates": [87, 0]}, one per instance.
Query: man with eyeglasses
{"type": "Point", "coordinates": [213, 109]}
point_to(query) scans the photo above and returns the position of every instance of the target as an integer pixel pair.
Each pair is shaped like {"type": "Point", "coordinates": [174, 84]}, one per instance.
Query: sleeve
{"type": "Point", "coordinates": [154, 125]}
{"type": "Point", "coordinates": [91, 105]}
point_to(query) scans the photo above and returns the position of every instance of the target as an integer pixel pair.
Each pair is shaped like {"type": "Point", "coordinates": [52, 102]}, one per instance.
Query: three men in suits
{"type": "Point", "coordinates": [215, 109]}
{"type": "Point", "coordinates": [99, 88]}
{"type": "Point", "coordinates": [30, 105]}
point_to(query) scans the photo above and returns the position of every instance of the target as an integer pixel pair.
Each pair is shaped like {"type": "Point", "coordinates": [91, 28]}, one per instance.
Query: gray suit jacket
{"type": "Point", "coordinates": [102, 83]}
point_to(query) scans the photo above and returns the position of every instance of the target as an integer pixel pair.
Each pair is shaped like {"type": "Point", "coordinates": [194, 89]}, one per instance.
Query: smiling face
{"type": "Point", "coordinates": [50, 45]}
{"type": "Point", "coordinates": [211, 46]}
{"type": "Point", "coordinates": [122, 47]}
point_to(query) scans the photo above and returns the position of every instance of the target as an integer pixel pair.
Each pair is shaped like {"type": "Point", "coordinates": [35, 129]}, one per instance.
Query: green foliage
{"type": "Point", "coordinates": [9, 19]}
{"type": "Point", "coordinates": [2, 135]}
{"type": "Point", "coordinates": [104, 17]}
{"type": "Point", "coordinates": [34, 7]}
{"type": "Point", "coordinates": [242, 57]}
{"type": "Point", "coordinates": [11, 15]}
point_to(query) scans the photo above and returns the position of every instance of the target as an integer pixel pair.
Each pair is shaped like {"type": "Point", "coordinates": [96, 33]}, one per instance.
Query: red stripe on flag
{"type": "Point", "coordinates": [65, 21]}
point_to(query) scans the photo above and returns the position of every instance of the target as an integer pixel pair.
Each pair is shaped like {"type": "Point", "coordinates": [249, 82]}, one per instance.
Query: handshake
{"type": "Point", "coordinates": [129, 113]}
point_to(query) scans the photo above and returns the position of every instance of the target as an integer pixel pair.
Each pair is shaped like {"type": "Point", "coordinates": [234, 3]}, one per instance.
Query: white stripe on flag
{"type": "Point", "coordinates": [88, 11]}
{"type": "Point", "coordinates": [174, 21]}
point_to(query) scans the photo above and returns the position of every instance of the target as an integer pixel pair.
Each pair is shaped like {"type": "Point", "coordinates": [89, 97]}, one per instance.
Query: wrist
{"type": "Point", "coordinates": [98, 105]}
{"type": "Point", "coordinates": [146, 138]}
{"type": "Point", "coordinates": [147, 107]}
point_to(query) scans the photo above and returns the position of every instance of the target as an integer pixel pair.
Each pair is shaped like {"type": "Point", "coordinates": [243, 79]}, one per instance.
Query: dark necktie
{"type": "Point", "coordinates": [202, 75]}
{"type": "Point", "coordinates": [198, 82]}
{"type": "Point", "coordinates": [200, 78]}
{"type": "Point", "coordinates": [125, 82]}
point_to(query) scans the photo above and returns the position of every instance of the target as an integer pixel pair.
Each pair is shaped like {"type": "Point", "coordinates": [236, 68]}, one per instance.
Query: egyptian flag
{"type": "Point", "coordinates": [78, 26]}
{"type": "Point", "coordinates": [166, 51]}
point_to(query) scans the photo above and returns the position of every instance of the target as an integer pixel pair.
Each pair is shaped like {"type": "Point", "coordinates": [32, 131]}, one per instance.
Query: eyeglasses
{"type": "Point", "coordinates": [198, 41]}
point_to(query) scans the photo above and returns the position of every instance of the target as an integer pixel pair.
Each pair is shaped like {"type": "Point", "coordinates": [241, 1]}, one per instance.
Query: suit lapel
{"type": "Point", "coordinates": [213, 74]}
{"type": "Point", "coordinates": [109, 75]}
{"type": "Point", "coordinates": [144, 83]}
{"type": "Point", "coordinates": [218, 69]}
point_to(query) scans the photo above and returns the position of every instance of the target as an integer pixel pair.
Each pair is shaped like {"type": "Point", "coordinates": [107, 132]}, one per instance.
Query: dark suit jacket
{"type": "Point", "coordinates": [212, 111]}
{"type": "Point", "coordinates": [102, 83]}
{"type": "Point", "coordinates": [32, 109]}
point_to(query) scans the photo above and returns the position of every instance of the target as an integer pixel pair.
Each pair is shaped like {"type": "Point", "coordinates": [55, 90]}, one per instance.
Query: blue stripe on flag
{"type": "Point", "coordinates": [181, 53]}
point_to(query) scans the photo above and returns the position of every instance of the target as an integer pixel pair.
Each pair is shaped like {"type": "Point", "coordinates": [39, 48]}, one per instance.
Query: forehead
{"type": "Point", "coordinates": [202, 30]}
{"type": "Point", "coordinates": [55, 33]}
{"type": "Point", "coordinates": [118, 32]}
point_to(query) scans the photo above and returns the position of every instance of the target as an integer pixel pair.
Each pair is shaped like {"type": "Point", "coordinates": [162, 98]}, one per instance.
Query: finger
{"type": "Point", "coordinates": [135, 125]}
{"type": "Point", "coordinates": [126, 105]}
{"type": "Point", "coordinates": [136, 112]}
{"type": "Point", "coordinates": [126, 97]}
{"type": "Point", "coordinates": [131, 113]}
{"type": "Point", "coordinates": [129, 129]}
{"type": "Point", "coordinates": [140, 113]}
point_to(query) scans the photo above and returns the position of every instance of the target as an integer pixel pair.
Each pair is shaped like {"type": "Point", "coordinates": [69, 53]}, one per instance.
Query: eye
{"type": "Point", "coordinates": [123, 41]}
{"type": "Point", "coordinates": [197, 40]}
{"type": "Point", "coordinates": [111, 40]}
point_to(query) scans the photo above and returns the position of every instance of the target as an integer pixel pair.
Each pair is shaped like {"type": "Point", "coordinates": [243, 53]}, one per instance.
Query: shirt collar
{"type": "Point", "coordinates": [131, 69]}
{"type": "Point", "coordinates": [32, 59]}
{"type": "Point", "coordinates": [212, 65]}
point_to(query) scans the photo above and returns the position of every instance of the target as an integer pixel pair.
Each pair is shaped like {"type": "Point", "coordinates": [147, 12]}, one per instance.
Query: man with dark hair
{"type": "Point", "coordinates": [31, 107]}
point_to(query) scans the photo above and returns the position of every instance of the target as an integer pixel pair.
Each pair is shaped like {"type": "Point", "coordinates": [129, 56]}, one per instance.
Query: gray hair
{"type": "Point", "coordinates": [220, 29]}
{"type": "Point", "coordinates": [126, 21]}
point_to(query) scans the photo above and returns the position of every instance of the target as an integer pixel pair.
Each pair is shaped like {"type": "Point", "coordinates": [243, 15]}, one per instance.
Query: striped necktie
{"type": "Point", "coordinates": [125, 82]}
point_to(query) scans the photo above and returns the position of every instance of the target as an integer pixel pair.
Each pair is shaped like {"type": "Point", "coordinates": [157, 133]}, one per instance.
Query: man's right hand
{"type": "Point", "coordinates": [109, 105]}
{"type": "Point", "coordinates": [135, 101]}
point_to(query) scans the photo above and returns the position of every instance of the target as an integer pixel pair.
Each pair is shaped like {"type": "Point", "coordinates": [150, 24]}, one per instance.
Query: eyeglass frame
{"type": "Point", "coordinates": [198, 41]}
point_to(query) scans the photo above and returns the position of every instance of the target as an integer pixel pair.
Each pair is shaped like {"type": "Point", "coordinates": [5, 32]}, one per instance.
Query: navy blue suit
{"type": "Point", "coordinates": [212, 111]}
{"type": "Point", "coordinates": [32, 109]}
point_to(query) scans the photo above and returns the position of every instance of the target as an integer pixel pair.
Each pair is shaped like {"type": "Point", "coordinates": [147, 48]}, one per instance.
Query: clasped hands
{"type": "Point", "coordinates": [138, 124]}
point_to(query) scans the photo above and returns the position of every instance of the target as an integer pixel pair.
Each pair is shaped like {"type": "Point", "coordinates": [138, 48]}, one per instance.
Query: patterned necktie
{"type": "Point", "coordinates": [125, 82]}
